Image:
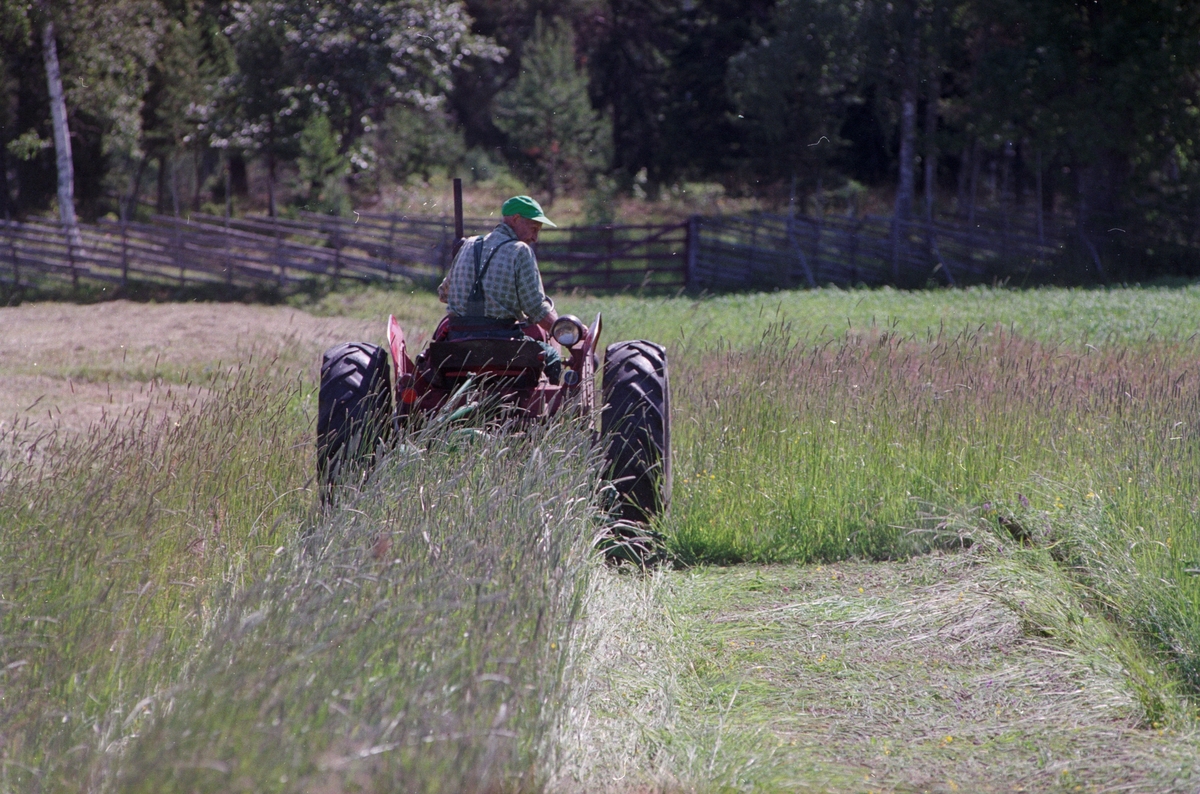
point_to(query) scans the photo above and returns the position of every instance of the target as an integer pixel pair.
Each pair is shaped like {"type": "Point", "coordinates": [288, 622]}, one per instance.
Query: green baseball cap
{"type": "Point", "coordinates": [526, 208]}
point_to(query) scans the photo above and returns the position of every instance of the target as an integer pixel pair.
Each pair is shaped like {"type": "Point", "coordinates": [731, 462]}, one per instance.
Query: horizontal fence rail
{"type": "Point", "coordinates": [607, 258]}
{"type": "Point", "coordinates": [199, 250]}
{"type": "Point", "coordinates": [771, 251]}
{"type": "Point", "coordinates": [614, 257]}
{"type": "Point", "coordinates": [761, 251]}
{"type": "Point", "coordinates": [413, 250]}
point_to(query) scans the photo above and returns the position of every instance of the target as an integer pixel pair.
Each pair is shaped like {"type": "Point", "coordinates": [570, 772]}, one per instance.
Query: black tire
{"type": "Point", "coordinates": [635, 425]}
{"type": "Point", "coordinates": [354, 411]}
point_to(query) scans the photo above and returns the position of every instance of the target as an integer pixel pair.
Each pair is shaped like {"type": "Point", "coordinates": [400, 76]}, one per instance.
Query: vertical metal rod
{"type": "Point", "coordinates": [459, 234]}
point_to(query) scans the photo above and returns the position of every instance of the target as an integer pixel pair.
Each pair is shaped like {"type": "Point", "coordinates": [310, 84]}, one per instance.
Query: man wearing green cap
{"type": "Point", "coordinates": [494, 287]}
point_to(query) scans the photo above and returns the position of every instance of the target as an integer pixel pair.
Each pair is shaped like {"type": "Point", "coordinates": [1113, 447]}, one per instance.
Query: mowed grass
{"type": "Point", "coordinates": [977, 671]}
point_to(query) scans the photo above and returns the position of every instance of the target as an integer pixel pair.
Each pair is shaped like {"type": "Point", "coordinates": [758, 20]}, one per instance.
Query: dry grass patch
{"type": "Point", "coordinates": [68, 366]}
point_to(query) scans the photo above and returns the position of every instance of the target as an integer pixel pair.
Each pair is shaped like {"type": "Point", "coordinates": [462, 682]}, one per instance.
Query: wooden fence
{"type": "Point", "coordinates": [412, 247]}
{"type": "Point", "coordinates": [600, 258]}
{"type": "Point", "coordinates": [182, 252]}
{"type": "Point", "coordinates": [611, 258]}
{"type": "Point", "coordinates": [772, 251]}
{"type": "Point", "coordinates": [721, 253]}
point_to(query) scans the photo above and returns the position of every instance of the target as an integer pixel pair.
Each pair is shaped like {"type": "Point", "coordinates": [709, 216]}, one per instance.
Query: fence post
{"type": "Point", "coordinates": [895, 250]}
{"type": "Point", "coordinates": [71, 256]}
{"type": "Point", "coordinates": [691, 251]}
{"type": "Point", "coordinates": [818, 227]}
{"type": "Point", "coordinates": [11, 227]}
{"type": "Point", "coordinates": [608, 245]}
{"type": "Point", "coordinates": [391, 247]}
{"type": "Point", "coordinates": [228, 254]}
{"type": "Point", "coordinates": [278, 251]}
{"type": "Point", "coordinates": [337, 252]}
{"type": "Point", "coordinates": [933, 249]}
{"type": "Point", "coordinates": [1004, 240]}
{"type": "Point", "coordinates": [854, 251]}
{"type": "Point", "coordinates": [177, 253]}
{"type": "Point", "coordinates": [751, 250]}
{"type": "Point", "coordinates": [1095, 254]}
{"type": "Point", "coordinates": [124, 253]}
{"type": "Point", "coordinates": [1041, 225]}
{"type": "Point", "coordinates": [791, 235]}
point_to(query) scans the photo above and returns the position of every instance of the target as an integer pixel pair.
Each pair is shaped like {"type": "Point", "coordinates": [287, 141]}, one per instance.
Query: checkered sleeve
{"type": "Point", "coordinates": [531, 297]}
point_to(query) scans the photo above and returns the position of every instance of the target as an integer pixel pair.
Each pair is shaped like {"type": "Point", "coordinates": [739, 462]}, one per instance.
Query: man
{"type": "Point", "coordinates": [494, 287]}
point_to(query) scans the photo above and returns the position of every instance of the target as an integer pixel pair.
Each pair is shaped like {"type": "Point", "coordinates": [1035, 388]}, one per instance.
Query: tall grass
{"type": "Point", "coordinates": [415, 638]}
{"type": "Point", "coordinates": [111, 545]}
{"type": "Point", "coordinates": [881, 446]}
{"type": "Point", "coordinates": [176, 616]}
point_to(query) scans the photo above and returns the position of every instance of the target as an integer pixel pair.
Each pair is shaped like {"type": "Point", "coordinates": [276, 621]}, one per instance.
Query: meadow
{"type": "Point", "coordinates": [177, 612]}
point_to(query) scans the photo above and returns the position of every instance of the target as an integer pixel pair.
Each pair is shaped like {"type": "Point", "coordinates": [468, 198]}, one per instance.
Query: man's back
{"type": "Point", "coordinates": [511, 284]}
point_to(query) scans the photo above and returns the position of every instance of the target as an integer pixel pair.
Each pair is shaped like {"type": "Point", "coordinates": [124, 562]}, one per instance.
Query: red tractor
{"type": "Point", "coordinates": [370, 395]}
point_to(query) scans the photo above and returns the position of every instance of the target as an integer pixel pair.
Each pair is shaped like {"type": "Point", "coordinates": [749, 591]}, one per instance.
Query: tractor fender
{"type": "Point", "coordinates": [401, 363]}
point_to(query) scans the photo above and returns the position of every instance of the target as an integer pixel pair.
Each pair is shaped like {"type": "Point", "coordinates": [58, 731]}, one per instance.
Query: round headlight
{"type": "Point", "coordinates": [567, 330]}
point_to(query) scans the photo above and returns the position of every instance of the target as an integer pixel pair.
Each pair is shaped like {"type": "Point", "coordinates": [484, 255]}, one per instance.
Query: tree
{"type": "Point", "coordinates": [1108, 89]}
{"type": "Point", "coordinates": [192, 58]}
{"type": "Point", "coordinates": [347, 61]}
{"type": "Point", "coordinates": [509, 23]}
{"type": "Point", "coordinates": [100, 53]}
{"type": "Point", "coordinates": [322, 167]}
{"type": "Point", "coordinates": [792, 89]}
{"type": "Point", "coordinates": [630, 64]}
{"type": "Point", "coordinates": [548, 116]}
{"type": "Point", "coordinates": [700, 134]}
{"type": "Point", "coordinates": [14, 34]}
{"type": "Point", "coordinates": [62, 134]}
{"type": "Point", "coordinates": [108, 51]}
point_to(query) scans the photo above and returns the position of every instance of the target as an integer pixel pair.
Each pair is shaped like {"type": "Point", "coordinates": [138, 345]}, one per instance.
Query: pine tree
{"type": "Point", "coordinates": [548, 116]}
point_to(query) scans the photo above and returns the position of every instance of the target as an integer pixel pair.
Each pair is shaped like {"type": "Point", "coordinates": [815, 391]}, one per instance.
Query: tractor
{"type": "Point", "coordinates": [370, 396]}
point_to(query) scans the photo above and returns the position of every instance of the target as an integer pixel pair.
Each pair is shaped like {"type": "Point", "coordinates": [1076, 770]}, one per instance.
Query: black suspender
{"type": "Point", "coordinates": [475, 302]}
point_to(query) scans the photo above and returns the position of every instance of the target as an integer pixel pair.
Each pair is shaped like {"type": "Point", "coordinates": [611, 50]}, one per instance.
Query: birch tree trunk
{"type": "Point", "coordinates": [62, 135]}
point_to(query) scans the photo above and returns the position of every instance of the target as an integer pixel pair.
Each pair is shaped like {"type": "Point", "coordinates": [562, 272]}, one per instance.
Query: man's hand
{"type": "Point", "coordinates": [444, 290]}
{"type": "Point", "coordinates": [548, 321]}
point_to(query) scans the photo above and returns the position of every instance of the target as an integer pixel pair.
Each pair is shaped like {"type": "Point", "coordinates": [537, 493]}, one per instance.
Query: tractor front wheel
{"type": "Point", "coordinates": [635, 425]}
{"type": "Point", "coordinates": [354, 411]}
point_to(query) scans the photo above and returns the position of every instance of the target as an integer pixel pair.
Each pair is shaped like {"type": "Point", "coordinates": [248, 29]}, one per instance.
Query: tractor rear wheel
{"type": "Point", "coordinates": [635, 425]}
{"type": "Point", "coordinates": [354, 411]}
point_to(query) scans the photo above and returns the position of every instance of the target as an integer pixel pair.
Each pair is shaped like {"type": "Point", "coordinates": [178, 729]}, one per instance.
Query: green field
{"type": "Point", "coordinates": [879, 467]}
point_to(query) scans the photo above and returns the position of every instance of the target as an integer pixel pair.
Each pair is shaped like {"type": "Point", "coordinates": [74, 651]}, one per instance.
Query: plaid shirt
{"type": "Point", "coordinates": [512, 287]}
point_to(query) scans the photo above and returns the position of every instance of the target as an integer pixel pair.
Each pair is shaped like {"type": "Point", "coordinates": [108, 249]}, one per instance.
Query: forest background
{"type": "Point", "coordinates": [912, 106]}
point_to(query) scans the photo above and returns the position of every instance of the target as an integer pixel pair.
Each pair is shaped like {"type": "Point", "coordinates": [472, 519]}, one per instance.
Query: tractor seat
{"type": "Point", "coordinates": [518, 363]}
